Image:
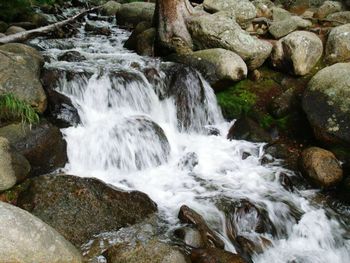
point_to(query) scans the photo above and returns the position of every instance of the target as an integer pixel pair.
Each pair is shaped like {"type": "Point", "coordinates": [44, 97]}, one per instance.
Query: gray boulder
{"type": "Point", "coordinates": [339, 18]}
{"type": "Point", "coordinates": [20, 68]}
{"type": "Point", "coordinates": [338, 44]}
{"type": "Point", "coordinates": [13, 30]}
{"type": "Point", "coordinates": [25, 238]}
{"type": "Point", "coordinates": [131, 14]}
{"type": "Point", "coordinates": [216, 31]}
{"type": "Point", "coordinates": [298, 52]}
{"type": "Point", "coordinates": [7, 173]}
{"type": "Point", "coordinates": [110, 8]}
{"type": "Point", "coordinates": [327, 8]}
{"type": "Point", "coordinates": [281, 28]}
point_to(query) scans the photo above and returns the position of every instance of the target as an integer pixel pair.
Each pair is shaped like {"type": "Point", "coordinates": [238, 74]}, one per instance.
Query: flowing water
{"type": "Point", "coordinates": [134, 135]}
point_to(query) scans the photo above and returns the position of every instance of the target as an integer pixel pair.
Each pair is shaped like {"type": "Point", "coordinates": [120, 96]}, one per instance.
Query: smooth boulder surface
{"type": "Point", "coordinates": [219, 67]}
{"type": "Point", "coordinates": [297, 53]}
{"type": "Point", "coordinates": [281, 28]}
{"type": "Point", "coordinates": [110, 8]}
{"type": "Point", "coordinates": [338, 44]}
{"type": "Point", "coordinates": [13, 30]}
{"type": "Point", "coordinates": [7, 173]}
{"type": "Point", "coordinates": [327, 105]}
{"type": "Point", "coordinates": [321, 166]}
{"type": "Point", "coordinates": [130, 14]}
{"type": "Point", "coordinates": [80, 208]}
{"type": "Point", "coordinates": [20, 67]}
{"type": "Point", "coordinates": [25, 238]}
{"type": "Point", "coordinates": [342, 17]}
{"type": "Point", "coordinates": [42, 145]}
{"type": "Point", "coordinates": [327, 8]}
{"type": "Point", "coordinates": [216, 31]}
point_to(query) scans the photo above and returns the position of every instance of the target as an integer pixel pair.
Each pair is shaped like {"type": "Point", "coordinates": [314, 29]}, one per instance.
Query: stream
{"type": "Point", "coordinates": [156, 127]}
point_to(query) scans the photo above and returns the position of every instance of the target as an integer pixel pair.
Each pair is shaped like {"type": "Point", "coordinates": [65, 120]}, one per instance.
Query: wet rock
{"type": "Point", "coordinates": [110, 8]}
{"type": "Point", "coordinates": [190, 236]}
{"type": "Point", "coordinates": [286, 182]}
{"type": "Point", "coordinates": [324, 104]}
{"type": "Point", "coordinates": [327, 8]}
{"type": "Point", "coordinates": [97, 29]}
{"type": "Point", "coordinates": [220, 67]}
{"type": "Point", "coordinates": [7, 173]}
{"type": "Point", "coordinates": [337, 47]}
{"type": "Point", "coordinates": [244, 218]}
{"type": "Point", "coordinates": [71, 56]}
{"type": "Point", "coordinates": [145, 42]}
{"type": "Point", "coordinates": [130, 14]}
{"type": "Point", "coordinates": [13, 30]}
{"type": "Point", "coordinates": [339, 18]}
{"type": "Point", "coordinates": [20, 67]}
{"type": "Point", "coordinates": [188, 162]}
{"type": "Point", "coordinates": [247, 129]}
{"type": "Point", "coordinates": [298, 52]}
{"type": "Point", "coordinates": [153, 251]}
{"type": "Point", "coordinates": [214, 255]}
{"type": "Point", "coordinates": [208, 236]}
{"type": "Point", "coordinates": [61, 110]}
{"type": "Point", "coordinates": [321, 166]}
{"type": "Point", "coordinates": [79, 208]}
{"type": "Point", "coordinates": [25, 238]}
{"type": "Point", "coordinates": [216, 31]}
{"type": "Point", "coordinates": [42, 145]}
{"type": "Point", "coordinates": [210, 130]}
{"type": "Point", "coordinates": [131, 43]}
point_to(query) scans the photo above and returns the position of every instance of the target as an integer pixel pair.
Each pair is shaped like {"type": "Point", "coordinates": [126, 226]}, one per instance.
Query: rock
{"type": "Point", "coordinates": [20, 67]}
{"type": "Point", "coordinates": [298, 52]}
{"type": "Point", "coordinates": [219, 67]}
{"type": "Point", "coordinates": [97, 28]}
{"type": "Point", "coordinates": [131, 14]}
{"type": "Point", "coordinates": [25, 238]}
{"type": "Point", "coordinates": [42, 145]}
{"type": "Point", "coordinates": [208, 236]}
{"type": "Point", "coordinates": [340, 18]}
{"type": "Point", "coordinates": [7, 173]}
{"type": "Point", "coordinates": [321, 166]}
{"type": "Point", "coordinates": [280, 14]}
{"type": "Point", "coordinates": [71, 56]}
{"type": "Point", "coordinates": [214, 255]}
{"type": "Point", "coordinates": [110, 8]}
{"type": "Point", "coordinates": [242, 10]}
{"type": "Point", "coordinates": [281, 28]}
{"type": "Point", "coordinates": [145, 42]}
{"type": "Point", "coordinates": [153, 251]}
{"type": "Point", "coordinates": [38, 19]}
{"type": "Point", "coordinates": [263, 8]}
{"type": "Point", "coordinates": [61, 110]}
{"type": "Point", "coordinates": [3, 27]}
{"type": "Point", "coordinates": [327, 8]}
{"type": "Point", "coordinates": [337, 46]}
{"type": "Point", "coordinates": [79, 208]}
{"type": "Point", "coordinates": [214, 31]}
{"type": "Point", "coordinates": [247, 129]}
{"type": "Point", "coordinates": [13, 30]}
{"type": "Point", "coordinates": [190, 236]}
{"type": "Point", "coordinates": [24, 25]}
{"type": "Point", "coordinates": [188, 161]}
{"type": "Point", "coordinates": [282, 105]}
{"type": "Point", "coordinates": [131, 43]}
{"type": "Point", "coordinates": [326, 104]}
{"type": "Point", "coordinates": [2, 35]}
{"type": "Point", "coordinates": [21, 166]}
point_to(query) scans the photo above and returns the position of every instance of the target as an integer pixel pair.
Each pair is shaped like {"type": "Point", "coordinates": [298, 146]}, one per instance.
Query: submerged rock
{"type": "Point", "coordinates": [79, 208]}
{"type": "Point", "coordinates": [321, 166]}
{"type": "Point", "coordinates": [25, 238]}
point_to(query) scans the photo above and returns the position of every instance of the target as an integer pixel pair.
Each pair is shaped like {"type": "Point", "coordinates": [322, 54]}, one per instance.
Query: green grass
{"type": "Point", "coordinates": [13, 108]}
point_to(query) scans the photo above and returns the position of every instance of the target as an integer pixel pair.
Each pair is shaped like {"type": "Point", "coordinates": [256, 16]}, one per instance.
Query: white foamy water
{"type": "Point", "coordinates": [120, 142]}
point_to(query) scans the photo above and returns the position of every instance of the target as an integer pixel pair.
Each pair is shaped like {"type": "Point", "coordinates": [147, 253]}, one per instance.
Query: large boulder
{"type": "Point", "coordinates": [281, 28]}
{"type": "Point", "coordinates": [110, 8]}
{"type": "Point", "coordinates": [145, 42]}
{"type": "Point", "coordinates": [79, 208]}
{"type": "Point", "coordinates": [42, 145]}
{"type": "Point", "coordinates": [342, 17]}
{"type": "Point", "coordinates": [7, 173]}
{"type": "Point", "coordinates": [20, 67]}
{"type": "Point", "coordinates": [219, 67]}
{"type": "Point", "coordinates": [298, 52]}
{"type": "Point", "coordinates": [321, 166]}
{"type": "Point", "coordinates": [338, 44]}
{"type": "Point", "coordinates": [216, 31]}
{"type": "Point", "coordinates": [14, 30]}
{"type": "Point", "coordinates": [327, 8]}
{"type": "Point", "coordinates": [327, 106]}
{"type": "Point", "coordinates": [131, 14]}
{"type": "Point", "coordinates": [25, 238]}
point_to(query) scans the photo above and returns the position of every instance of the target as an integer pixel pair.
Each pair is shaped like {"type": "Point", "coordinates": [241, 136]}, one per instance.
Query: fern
{"type": "Point", "coordinates": [13, 108]}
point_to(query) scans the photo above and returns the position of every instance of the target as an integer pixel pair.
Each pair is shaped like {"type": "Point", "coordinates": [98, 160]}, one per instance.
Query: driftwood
{"type": "Point", "coordinates": [23, 36]}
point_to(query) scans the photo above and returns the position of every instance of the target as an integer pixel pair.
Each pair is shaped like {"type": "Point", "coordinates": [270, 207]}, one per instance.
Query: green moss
{"type": "Point", "coordinates": [267, 121]}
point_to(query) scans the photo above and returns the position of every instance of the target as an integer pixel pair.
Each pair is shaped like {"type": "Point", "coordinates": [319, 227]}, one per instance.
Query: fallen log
{"type": "Point", "coordinates": [23, 36]}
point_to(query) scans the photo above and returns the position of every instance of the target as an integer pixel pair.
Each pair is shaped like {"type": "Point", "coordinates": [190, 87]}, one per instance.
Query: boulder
{"type": "Point", "coordinates": [71, 56]}
{"type": "Point", "coordinates": [327, 8]}
{"type": "Point", "coordinates": [25, 238]}
{"type": "Point", "coordinates": [110, 8]}
{"type": "Point", "coordinates": [280, 14]}
{"type": "Point", "coordinates": [2, 35]}
{"type": "Point", "coordinates": [219, 67]}
{"type": "Point", "coordinates": [263, 8]}
{"type": "Point", "coordinates": [7, 173]}
{"type": "Point", "coordinates": [131, 43]}
{"type": "Point", "coordinates": [242, 10]}
{"type": "Point", "coordinates": [213, 255]}
{"type": "Point", "coordinates": [13, 30]}
{"type": "Point", "coordinates": [216, 31]}
{"type": "Point", "coordinates": [281, 28]}
{"type": "Point", "coordinates": [190, 236]}
{"type": "Point", "coordinates": [20, 165]}
{"type": "Point", "coordinates": [3, 27]}
{"type": "Point", "coordinates": [321, 166]}
{"type": "Point", "coordinates": [298, 52]}
{"type": "Point", "coordinates": [130, 14]}
{"type": "Point", "coordinates": [145, 42]}
{"type": "Point", "coordinates": [20, 67]}
{"type": "Point", "coordinates": [97, 28]}
{"type": "Point", "coordinates": [327, 106]}
{"type": "Point", "coordinates": [80, 208]}
{"type": "Point", "coordinates": [42, 145]}
{"type": "Point", "coordinates": [339, 18]}
{"type": "Point", "coordinates": [337, 46]}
